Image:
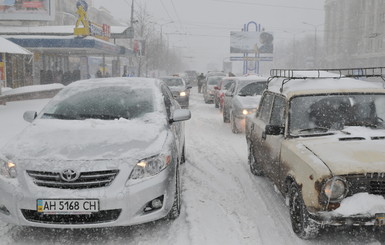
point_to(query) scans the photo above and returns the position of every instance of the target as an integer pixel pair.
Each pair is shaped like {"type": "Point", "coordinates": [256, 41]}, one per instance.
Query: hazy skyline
{"type": "Point", "coordinates": [201, 28]}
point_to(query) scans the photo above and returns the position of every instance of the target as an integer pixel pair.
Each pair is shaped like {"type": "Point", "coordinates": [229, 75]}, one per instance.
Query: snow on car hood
{"type": "Point", "coordinates": [362, 151]}
{"type": "Point", "coordinates": [88, 140]}
{"type": "Point", "coordinates": [247, 102]}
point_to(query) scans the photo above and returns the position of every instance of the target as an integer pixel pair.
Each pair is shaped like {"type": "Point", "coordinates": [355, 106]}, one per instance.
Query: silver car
{"type": "Point", "coordinates": [103, 152]}
{"type": "Point", "coordinates": [179, 89]}
{"type": "Point", "coordinates": [241, 99]}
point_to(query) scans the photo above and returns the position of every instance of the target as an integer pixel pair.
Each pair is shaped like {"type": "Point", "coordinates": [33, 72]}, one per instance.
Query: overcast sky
{"type": "Point", "coordinates": [201, 28]}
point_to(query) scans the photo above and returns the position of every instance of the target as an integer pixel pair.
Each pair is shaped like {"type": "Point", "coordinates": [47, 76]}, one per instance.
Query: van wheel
{"type": "Point", "coordinates": [176, 206]}
{"type": "Point", "coordinates": [303, 226]}
{"type": "Point", "coordinates": [255, 168]}
{"type": "Point", "coordinates": [183, 156]}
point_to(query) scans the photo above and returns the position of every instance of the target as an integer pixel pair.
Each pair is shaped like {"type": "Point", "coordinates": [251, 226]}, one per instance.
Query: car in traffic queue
{"type": "Point", "coordinates": [320, 137]}
{"type": "Point", "coordinates": [208, 88]}
{"type": "Point", "coordinates": [103, 152]}
{"type": "Point", "coordinates": [241, 99]}
{"type": "Point", "coordinates": [219, 94]}
{"type": "Point", "coordinates": [179, 89]}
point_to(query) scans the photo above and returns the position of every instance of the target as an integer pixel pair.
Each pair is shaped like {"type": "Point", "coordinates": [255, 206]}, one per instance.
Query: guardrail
{"type": "Point", "coordinates": [44, 94]}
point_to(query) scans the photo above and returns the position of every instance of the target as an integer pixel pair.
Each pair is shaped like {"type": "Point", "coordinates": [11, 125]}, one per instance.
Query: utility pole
{"type": "Point", "coordinates": [132, 28]}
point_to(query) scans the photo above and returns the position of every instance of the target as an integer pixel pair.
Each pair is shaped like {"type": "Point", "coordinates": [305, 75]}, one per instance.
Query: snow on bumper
{"type": "Point", "coordinates": [120, 204]}
{"type": "Point", "coordinates": [359, 209]}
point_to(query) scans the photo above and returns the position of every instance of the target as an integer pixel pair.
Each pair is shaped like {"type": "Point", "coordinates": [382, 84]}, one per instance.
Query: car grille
{"type": "Point", "coordinates": [66, 219]}
{"type": "Point", "coordinates": [373, 183]}
{"type": "Point", "coordinates": [86, 180]}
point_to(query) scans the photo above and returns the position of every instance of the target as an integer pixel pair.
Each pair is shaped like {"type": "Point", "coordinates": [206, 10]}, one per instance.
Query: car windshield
{"type": "Point", "coordinates": [213, 81]}
{"type": "Point", "coordinates": [324, 113]}
{"type": "Point", "coordinates": [173, 82]}
{"type": "Point", "coordinates": [253, 89]}
{"type": "Point", "coordinates": [106, 103]}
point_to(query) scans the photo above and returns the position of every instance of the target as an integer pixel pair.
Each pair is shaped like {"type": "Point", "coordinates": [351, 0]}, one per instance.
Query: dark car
{"type": "Point", "coordinates": [179, 89]}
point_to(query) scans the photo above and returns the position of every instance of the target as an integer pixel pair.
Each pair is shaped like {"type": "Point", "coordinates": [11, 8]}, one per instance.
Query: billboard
{"type": "Point", "coordinates": [251, 42]}
{"type": "Point", "coordinates": [27, 9]}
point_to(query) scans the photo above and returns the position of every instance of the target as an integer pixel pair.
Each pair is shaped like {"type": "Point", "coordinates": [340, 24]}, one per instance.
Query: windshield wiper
{"type": "Point", "coordinates": [99, 116]}
{"type": "Point", "coordinates": [59, 116]}
{"type": "Point", "coordinates": [323, 129]}
{"type": "Point", "coordinates": [363, 124]}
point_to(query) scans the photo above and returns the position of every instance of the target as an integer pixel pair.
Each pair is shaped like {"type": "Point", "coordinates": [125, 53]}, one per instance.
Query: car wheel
{"type": "Point", "coordinates": [225, 117]}
{"type": "Point", "coordinates": [183, 156]}
{"type": "Point", "coordinates": [216, 103]}
{"type": "Point", "coordinates": [255, 168]}
{"type": "Point", "coordinates": [233, 123]}
{"type": "Point", "coordinates": [303, 226]}
{"type": "Point", "coordinates": [175, 209]}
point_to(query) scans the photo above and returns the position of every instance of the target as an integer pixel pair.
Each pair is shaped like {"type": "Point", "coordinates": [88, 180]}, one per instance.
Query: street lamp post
{"type": "Point", "coordinates": [315, 40]}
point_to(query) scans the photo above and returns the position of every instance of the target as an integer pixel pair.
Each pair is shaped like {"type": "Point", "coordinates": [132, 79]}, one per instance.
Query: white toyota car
{"type": "Point", "coordinates": [103, 152]}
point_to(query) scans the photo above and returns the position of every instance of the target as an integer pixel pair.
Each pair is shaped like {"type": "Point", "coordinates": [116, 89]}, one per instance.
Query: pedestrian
{"type": "Point", "coordinates": [200, 79]}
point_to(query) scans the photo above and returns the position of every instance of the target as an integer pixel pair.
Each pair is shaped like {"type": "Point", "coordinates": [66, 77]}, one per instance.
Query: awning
{"type": "Point", "coordinates": [69, 45]}
{"type": "Point", "coordinates": [12, 48]}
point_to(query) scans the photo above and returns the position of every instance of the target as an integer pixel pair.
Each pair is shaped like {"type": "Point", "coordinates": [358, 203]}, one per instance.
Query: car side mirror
{"type": "Point", "coordinates": [29, 116]}
{"type": "Point", "coordinates": [181, 115]}
{"type": "Point", "coordinates": [274, 130]}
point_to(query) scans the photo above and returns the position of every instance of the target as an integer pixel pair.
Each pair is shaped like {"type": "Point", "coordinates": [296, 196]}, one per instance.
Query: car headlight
{"type": "Point", "coordinates": [150, 166]}
{"type": "Point", "coordinates": [8, 169]}
{"type": "Point", "coordinates": [245, 112]}
{"type": "Point", "coordinates": [335, 189]}
{"type": "Point", "coordinates": [182, 94]}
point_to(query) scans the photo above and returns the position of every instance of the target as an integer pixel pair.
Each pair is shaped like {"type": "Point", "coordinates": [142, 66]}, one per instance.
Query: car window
{"type": "Point", "coordinates": [265, 109]}
{"type": "Point", "coordinates": [277, 113]}
{"type": "Point", "coordinates": [226, 84]}
{"type": "Point", "coordinates": [253, 89]}
{"type": "Point", "coordinates": [105, 103]}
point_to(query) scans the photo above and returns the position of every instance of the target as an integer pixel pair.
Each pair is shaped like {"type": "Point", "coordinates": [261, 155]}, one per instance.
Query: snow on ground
{"type": "Point", "coordinates": [223, 203]}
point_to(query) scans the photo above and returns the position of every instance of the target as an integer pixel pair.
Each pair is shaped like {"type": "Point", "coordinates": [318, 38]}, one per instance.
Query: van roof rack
{"type": "Point", "coordinates": [348, 72]}
{"type": "Point", "coordinates": [290, 74]}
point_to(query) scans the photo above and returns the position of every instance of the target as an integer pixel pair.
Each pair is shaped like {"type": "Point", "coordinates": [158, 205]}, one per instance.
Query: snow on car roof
{"type": "Point", "coordinates": [307, 82]}
{"type": "Point", "coordinates": [137, 82]}
{"type": "Point", "coordinates": [254, 78]}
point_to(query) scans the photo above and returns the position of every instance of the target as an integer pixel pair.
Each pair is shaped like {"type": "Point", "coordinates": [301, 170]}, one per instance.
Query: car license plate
{"type": "Point", "coordinates": [67, 206]}
{"type": "Point", "coordinates": [380, 219]}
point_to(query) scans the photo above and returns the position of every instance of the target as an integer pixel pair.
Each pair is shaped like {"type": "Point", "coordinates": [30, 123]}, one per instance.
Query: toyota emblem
{"type": "Point", "coordinates": [69, 175]}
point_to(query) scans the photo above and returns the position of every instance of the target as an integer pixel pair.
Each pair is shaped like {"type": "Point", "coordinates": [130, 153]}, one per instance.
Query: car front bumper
{"type": "Point", "coordinates": [326, 218]}
{"type": "Point", "coordinates": [121, 204]}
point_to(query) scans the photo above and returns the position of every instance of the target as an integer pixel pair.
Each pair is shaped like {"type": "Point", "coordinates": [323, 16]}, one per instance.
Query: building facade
{"type": "Point", "coordinates": [354, 33]}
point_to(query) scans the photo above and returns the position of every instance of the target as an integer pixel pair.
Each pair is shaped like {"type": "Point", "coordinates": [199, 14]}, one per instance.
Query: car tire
{"type": "Point", "coordinates": [176, 206]}
{"type": "Point", "coordinates": [303, 226]}
{"type": "Point", "coordinates": [216, 103]}
{"type": "Point", "coordinates": [225, 117]}
{"type": "Point", "coordinates": [255, 167]}
{"type": "Point", "coordinates": [183, 155]}
{"type": "Point", "coordinates": [233, 123]}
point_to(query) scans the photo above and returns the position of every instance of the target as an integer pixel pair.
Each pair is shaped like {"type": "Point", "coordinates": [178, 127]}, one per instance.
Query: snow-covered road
{"type": "Point", "coordinates": [223, 203]}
